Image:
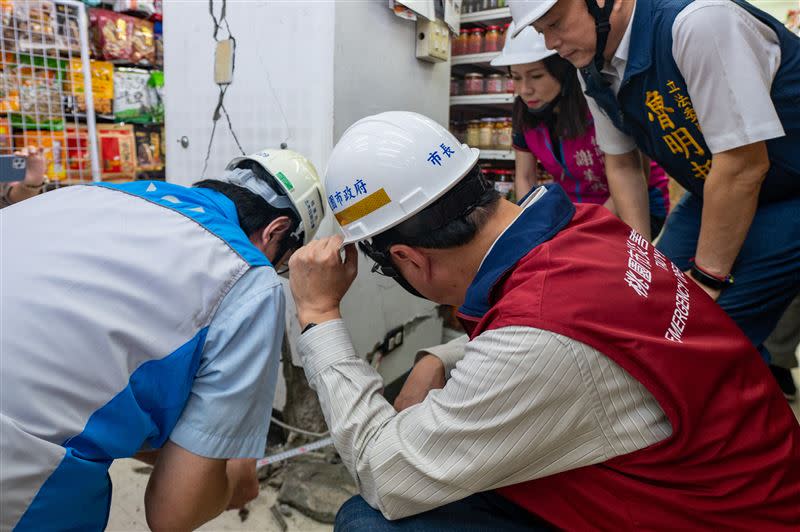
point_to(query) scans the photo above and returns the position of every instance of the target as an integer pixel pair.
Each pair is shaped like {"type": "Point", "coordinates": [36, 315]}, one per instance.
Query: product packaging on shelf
{"type": "Point", "coordinates": [144, 45]}
{"type": "Point", "coordinates": [55, 153]}
{"type": "Point", "coordinates": [131, 94]}
{"type": "Point", "coordinates": [34, 92]}
{"type": "Point", "coordinates": [148, 147]}
{"type": "Point", "coordinates": [117, 151]}
{"type": "Point", "coordinates": [112, 35]}
{"type": "Point", "coordinates": [102, 85]}
{"type": "Point", "coordinates": [79, 165]}
{"type": "Point", "coordinates": [6, 142]}
{"type": "Point", "coordinates": [145, 7]}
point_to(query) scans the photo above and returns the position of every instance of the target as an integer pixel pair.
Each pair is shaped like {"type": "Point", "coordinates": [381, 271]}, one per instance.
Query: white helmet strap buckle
{"type": "Point", "coordinates": [245, 178]}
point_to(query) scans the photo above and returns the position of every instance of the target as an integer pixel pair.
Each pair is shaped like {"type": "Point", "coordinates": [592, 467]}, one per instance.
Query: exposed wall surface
{"type": "Point", "coordinates": [282, 88]}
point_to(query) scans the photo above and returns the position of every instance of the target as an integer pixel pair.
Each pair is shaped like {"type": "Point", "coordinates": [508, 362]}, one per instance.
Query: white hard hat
{"type": "Point", "coordinates": [388, 167]}
{"type": "Point", "coordinates": [298, 179]}
{"type": "Point", "coordinates": [527, 47]}
{"type": "Point", "coordinates": [526, 12]}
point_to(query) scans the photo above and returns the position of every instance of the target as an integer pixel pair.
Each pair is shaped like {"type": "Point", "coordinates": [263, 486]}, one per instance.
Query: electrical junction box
{"type": "Point", "coordinates": [433, 40]}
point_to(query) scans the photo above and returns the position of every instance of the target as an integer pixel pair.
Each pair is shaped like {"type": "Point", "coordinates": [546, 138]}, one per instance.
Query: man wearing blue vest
{"type": "Point", "coordinates": [139, 317]}
{"type": "Point", "coordinates": [710, 90]}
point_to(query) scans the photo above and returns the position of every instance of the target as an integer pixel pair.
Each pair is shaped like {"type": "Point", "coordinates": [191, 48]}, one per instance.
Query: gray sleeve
{"type": "Point", "coordinates": [227, 414]}
{"type": "Point", "coordinates": [729, 60]}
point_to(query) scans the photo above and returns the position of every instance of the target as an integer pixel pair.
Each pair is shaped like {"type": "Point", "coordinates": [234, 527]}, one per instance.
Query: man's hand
{"type": "Point", "coordinates": [427, 375]}
{"type": "Point", "coordinates": [36, 166]}
{"type": "Point", "coordinates": [319, 279]}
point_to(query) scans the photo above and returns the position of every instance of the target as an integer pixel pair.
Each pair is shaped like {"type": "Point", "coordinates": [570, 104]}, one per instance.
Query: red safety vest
{"type": "Point", "coordinates": [733, 460]}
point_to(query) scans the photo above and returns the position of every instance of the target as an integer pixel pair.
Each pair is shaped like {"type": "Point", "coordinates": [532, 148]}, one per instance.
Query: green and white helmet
{"type": "Point", "coordinates": [297, 178]}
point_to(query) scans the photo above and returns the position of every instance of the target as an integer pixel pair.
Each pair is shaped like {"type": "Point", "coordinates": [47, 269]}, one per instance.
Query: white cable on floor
{"type": "Point", "coordinates": [298, 430]}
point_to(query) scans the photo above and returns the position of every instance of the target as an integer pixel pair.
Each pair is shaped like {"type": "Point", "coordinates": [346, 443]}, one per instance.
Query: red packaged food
{"type": "Point", "coordinates": [112, 35]}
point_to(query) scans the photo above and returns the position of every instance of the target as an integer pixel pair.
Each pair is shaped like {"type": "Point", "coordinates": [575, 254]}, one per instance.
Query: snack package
{"type": "Point", "coordinates": [112, 35]}
{"type": "Point", "coordinates": [155, 96]}
{"type": "Point", "coordinates": [55, 152]}
{"type": "Point", "coordinates": [146, 7]}
{"type": "Point", "coordinates": [159, 42]}
{"type": "Point", "coordinates": [144, 45]}
{"type": "Point", "coordinates": [34, 95]}
{"type": "Point", "coordinates": [36, 25]}
{"type": "Point", "coordinates": [102, 85]}
{"type": "Point", "coordinates": [117, 151]}
{"type": "Point", "coordinates": [6, 142]}
{"type": "Point", "coordinates": [7, 23]}
{"type": "Point", "coordinates": [148, 147]}
{"type": "Point", "coordinates": [131, 94]}
{"type": "Point", "coordinates": [79, 163]}
{"type": "Point", "coordinates": [67, 32]}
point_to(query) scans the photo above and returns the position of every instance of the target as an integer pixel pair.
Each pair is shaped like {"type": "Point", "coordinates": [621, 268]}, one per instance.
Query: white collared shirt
{"type": "Point", "coordinates": [728, 59]}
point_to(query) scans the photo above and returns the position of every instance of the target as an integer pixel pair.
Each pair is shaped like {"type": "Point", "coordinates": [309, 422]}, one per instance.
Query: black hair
{"type": "Point", "coordinates": [456, 232]}
{"type": "Point", "coordinates": [254, 212]}
{"type": "Point", "coordinates": [570, 120]}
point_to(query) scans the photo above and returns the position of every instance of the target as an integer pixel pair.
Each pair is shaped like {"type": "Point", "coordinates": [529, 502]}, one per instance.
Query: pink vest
{"type": "Point", "coordinates": [733, 460]}
{"type": "Point", "coordinates": [581, 170]}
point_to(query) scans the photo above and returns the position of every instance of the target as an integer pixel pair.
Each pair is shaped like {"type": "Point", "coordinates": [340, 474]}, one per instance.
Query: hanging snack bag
{"type": "Point", "coordinates": [144, 44]}
{"type": "Point", "coordinates": [131, 101]}
{"type": "Point", "coordinates": [102, 85]}
{"type": "Point", "coordinates": [148, 147]}
{"type": "Point", "coordinates": [112, 35]}
{"type": "Point", "coordinates": [117, 151]}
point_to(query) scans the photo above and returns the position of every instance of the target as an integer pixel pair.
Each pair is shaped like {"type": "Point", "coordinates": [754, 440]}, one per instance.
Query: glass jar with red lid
{"type": "Point", "coordinates": [475, 42]}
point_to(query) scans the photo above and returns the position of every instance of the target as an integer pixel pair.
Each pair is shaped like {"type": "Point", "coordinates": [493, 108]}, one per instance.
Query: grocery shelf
{"type": "Point", "coordinates": [483, 16]}
{"type": "Point", "coordinates": [473, 59]}
{"type": "Point", "coordinates": [497, 155]}
{"type": "Point", "coordinates": [483, 99]}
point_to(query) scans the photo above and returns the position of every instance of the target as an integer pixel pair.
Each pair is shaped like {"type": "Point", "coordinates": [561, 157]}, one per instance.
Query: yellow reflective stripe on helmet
{"type": "Point", "coordinates": [358, 210]}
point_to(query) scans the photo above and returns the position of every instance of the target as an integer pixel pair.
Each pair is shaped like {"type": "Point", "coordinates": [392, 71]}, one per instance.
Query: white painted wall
{"type": "Point", "coordinates": [325, 65]}
{"type": "Point", "coordinates": [284, 67]}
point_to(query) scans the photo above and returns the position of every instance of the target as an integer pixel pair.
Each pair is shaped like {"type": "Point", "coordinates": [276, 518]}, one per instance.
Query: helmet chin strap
{"type": "Point", "coordinates": [460, 201]}
{"type": "Point", "coordinates": [601, 17]}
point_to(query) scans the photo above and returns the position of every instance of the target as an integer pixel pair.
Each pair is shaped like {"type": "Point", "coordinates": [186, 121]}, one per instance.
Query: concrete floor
{"type": "Point", "coordinates": [127, 507]}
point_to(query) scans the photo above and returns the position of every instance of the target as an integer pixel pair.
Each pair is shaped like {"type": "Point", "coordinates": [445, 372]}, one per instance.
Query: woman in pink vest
{"type": "Point", "coordinates": [553, 125]}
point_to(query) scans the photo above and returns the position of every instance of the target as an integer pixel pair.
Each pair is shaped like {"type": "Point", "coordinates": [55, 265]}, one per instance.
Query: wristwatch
{"type": "Point", "coordinates": [308, 327]}
{"type": "Point", "coordinates": [709, 280]}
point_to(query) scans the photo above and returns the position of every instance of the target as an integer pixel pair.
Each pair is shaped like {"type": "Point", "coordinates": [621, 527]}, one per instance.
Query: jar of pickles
{"type": "Point", "coordinates": [473, 133]}
{"type": "Point", "coordinates": [503, 134]}
{"type": "Point", "coordinates": [486, 137]}
{"type": "Point", "coordinates": [475, 42]}
{"type": "Point", "coordinates": [491, 40]}
{"type": "Point", "coordinates": [460, 42]}
{"type": "Point", "coordinates": [473, 83]}
{"type": "Point", "coordinates": [495, 84]}
{"type": "Point", "coordinates": [455, 86]}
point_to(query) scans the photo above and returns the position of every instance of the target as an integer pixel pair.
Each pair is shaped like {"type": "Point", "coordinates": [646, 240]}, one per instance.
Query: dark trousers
{"type": "Point", "coordinates": [766, 271]}
{"type": "Point", "coordinates": [482, 512]}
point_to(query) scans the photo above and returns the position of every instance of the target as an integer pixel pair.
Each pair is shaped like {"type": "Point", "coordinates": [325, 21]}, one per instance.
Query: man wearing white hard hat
{"type": "Point", "coordinates": [146, 319]}
{"type": "Point", "coordinates": [708, 89]}
{"type": "Point", "coordinates": [600, 389]}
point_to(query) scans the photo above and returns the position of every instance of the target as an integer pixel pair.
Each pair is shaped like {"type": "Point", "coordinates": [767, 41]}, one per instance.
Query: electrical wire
{"type": "Point", "coordinates": [220, 109]}
{"type": "Point", "coordinates": [298, 430]}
